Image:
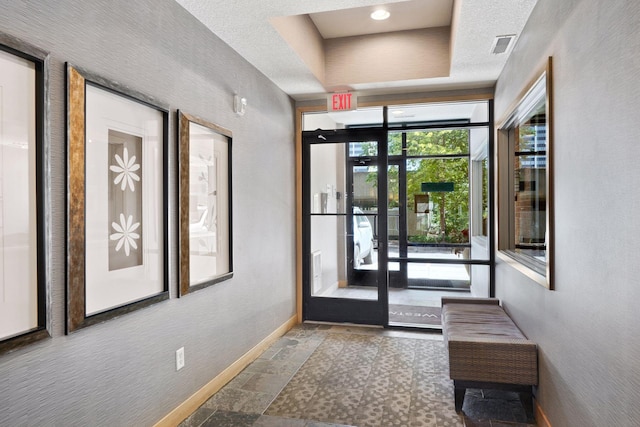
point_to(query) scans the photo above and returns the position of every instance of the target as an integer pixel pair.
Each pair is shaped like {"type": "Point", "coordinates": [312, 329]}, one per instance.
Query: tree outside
{"type": "Point", "coordinates": [438, 156]}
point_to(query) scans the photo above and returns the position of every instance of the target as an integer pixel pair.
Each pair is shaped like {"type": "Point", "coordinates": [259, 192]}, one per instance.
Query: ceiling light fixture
{"type": "Point", "coordinates": [380, 15]}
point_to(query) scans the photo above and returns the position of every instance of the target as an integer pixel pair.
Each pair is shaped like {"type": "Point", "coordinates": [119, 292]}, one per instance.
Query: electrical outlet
{"type": "Point", "coordinates": [179, 358]}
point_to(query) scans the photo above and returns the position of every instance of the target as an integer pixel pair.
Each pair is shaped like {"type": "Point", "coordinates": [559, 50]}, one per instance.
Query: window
{"type": "Point", "coordinates": [525, 196]}
{"type": "Point", "coordinates": [480, 185]}
{"type": "Point", "coordinates": [480, 197]}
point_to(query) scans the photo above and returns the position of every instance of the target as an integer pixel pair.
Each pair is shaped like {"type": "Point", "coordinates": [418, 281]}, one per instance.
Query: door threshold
{"type": "Point", "coordinates": [348, 324]}
{"type": "Point", "coordinates": [436, 329]}
{"type": "Point", "coordinates": [438, 288]}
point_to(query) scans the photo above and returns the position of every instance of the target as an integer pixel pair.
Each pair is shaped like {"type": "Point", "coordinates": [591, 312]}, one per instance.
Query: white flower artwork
{"type": "Point", "coordinates": [125, 234]}
{"type": "Point", "coordinates": [126, 170]}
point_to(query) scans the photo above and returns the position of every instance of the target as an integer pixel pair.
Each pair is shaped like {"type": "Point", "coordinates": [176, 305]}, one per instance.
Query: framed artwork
{"type": "Point", "coordinates": [204, 203]}
{"type": "Point", "coordinates": [23, 136]}
{"type": "Point", "coordinates": [117, 200]}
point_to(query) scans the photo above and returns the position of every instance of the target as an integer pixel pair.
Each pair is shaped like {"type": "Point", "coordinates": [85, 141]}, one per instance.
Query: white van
{"type": "Point", "coordinates": [362, 239]}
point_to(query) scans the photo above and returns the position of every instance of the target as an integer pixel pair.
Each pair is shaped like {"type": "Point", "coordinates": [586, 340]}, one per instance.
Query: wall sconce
{"type": "Point", "coordinates": [239, 105]}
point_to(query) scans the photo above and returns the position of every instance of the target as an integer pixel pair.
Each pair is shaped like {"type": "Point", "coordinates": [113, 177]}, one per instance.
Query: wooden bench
{"type": "Point", "coordinates": [487, 350]}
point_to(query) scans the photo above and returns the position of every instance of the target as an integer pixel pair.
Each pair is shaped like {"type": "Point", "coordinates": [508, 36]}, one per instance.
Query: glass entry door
{"type": "Point", "coordinates": [429, 209]}
{"type": "Point", "coordinates": [396, 212]}
{"type": "Point", "coordinates": [438, 214]}
{"type": "Point", "coordinates": [345, 226]}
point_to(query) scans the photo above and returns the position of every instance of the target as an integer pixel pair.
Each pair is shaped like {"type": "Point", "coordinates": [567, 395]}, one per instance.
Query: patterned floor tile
{"type": "Point", "coordinates": [320, 407]}
{"type": "Point", "coordinates": [446, 416]}
{"type": "Point", "coordinates": [345, 408]}
{"type": "Point", "coordinates": [269, 421]}
{"type": "Point", "coordinates": [240, 379]}
{"type": "Point", "coordinates": [328, 376]}
{"type": "Point", "coordinates": [421, 418]}
{"type": "Point", "coordinates": [237, 400]}
{"type": "Point", "coordinates": [266, 383]}
{"type": "Point", "coordinates": [321, 424]}
{"type": "Point", "coordinates": [268, 366]}
{"type": "Point", "coordinates": [292, 402]}
{"type": "Point", "coordinates": [230, 419]}
{"type": "Point", "coordinates": [369, 414]}
{"type": "Point", "coordinates": [198, 417]}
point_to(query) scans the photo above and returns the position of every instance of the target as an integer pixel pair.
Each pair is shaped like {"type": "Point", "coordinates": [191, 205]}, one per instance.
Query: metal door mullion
{"type": "Point", "coordinates": [440, 261]}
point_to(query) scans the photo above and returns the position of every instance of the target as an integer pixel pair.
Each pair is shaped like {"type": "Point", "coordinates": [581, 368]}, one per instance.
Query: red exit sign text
{"type": "Point", "coordinates": [342, 101]}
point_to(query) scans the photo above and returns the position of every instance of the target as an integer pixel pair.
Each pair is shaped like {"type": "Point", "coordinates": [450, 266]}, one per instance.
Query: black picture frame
{"type": "Point", "coordinates": [40, 173]}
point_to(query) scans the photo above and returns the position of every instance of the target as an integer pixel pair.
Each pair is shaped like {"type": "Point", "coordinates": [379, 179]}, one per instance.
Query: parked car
{"type": "Point", "coordinates": [362, 239]}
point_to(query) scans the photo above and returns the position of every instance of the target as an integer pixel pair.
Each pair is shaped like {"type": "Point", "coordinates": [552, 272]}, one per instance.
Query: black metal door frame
{"type": "Point", "coordinates": [376, 312]}
{"type": "Point", "coordinates": [340, 309]}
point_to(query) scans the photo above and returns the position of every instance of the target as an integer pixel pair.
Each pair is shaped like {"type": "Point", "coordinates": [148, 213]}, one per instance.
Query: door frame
{"type": "Point", "coordinates": [400, 278]}
{"type": "Point", "coordinates": [370, 312]}
{"type": "Point", "coordinates": [320, 105]}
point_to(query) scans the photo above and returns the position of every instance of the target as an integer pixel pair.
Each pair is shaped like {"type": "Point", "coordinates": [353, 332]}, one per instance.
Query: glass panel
{"type": "Point", "coordinates": [438, 201]}
{"type": "Point", "coordinates": [361, 117]}
{"type": "Point", "coordinates": [526, 236]}
{"type": "Point", "coordinates": [365, 188]}
{"type": "Point", "coordinates": [332, 259]}
{"type": "Point", "coordinates": [419, 306]}
{"type": "Point", "coordinates": [393, 204]}
{"type": "Point", "coordinates": [458, 112]}
{"type": "Point", "coordinates": [530, 184]}
{"type": "Point", "coordinates": [395, 143]}
{"type": "Point", "coordinates": [445, 276]}
{"type": "Point", "coordinates": [530, 205]}
{"type": "Point", "coordinates": [365, 217]}
{"type": "Point", "coordinates": [18, 198]}
{"type": "Point", "coordinates": [480, 182]}
{"type": "Point", "coordinates": [327, 178]}
{"type": "Point", "coordinates": [365, 256]}
{"type": "Point", "coordinates": [208, 204]}
{"type": "Point", "coordinates": [484, 228]}
{"type": "Point", "coordinates": [438, 142]}
{"type": "Point", "coordinates": [363, 149]}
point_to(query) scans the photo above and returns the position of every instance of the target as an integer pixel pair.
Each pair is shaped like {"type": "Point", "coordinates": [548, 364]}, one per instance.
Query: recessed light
{"type": "Point", "coordinates": [380, 15]}
{"type": "Point", "coordinates": [397, 112]}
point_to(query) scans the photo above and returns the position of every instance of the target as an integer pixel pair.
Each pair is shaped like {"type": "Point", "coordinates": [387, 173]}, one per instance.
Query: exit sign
{"type": "Point", "coordinates": [345, 101]}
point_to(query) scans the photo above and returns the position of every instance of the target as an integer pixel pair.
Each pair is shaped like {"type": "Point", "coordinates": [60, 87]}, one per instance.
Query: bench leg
{"type": "Point", "coordinates": [459, 396]}
{"type": "Point", "coordinates": [526, 398]}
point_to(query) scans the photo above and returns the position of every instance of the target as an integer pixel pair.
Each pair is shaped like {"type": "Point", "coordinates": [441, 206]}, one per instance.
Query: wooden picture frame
{"type": "Point", "coordinates": [117, 253]}
{"type": "Point", "coordinates": [24, 169]}
{"type": "Point", "coordinates": [205, 214]}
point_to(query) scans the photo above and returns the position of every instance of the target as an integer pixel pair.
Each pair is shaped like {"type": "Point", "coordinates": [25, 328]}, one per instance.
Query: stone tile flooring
{"type": "Point", "coordinates": [332, 376]}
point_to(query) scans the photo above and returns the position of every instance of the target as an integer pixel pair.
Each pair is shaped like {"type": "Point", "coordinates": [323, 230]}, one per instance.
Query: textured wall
{"type": "Point", "coordinates": [357, 59]}
{"type": "Point", "coordinates": [122, 372]}
{"type": "Point", "coordinates": [587, 329]}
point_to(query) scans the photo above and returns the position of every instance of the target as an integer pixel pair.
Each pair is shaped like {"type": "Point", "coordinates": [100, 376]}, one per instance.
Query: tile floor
{"type": "Point", "coordinates": [329, 376]}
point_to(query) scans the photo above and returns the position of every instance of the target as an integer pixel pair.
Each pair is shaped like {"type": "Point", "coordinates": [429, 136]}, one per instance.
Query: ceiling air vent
{"type": "Point", "coordinates": [502, 43]}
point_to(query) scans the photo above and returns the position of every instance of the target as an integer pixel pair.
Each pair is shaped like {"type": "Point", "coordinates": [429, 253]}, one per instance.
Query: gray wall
{"type": "Point", "coordinates": [587, 329]}
{"type": "Point", "coordinates": [122, 372]}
